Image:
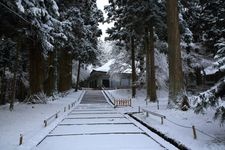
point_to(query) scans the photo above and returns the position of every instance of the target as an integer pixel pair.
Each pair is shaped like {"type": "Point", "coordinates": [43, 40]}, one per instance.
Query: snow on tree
{"type": "Point", "coordinates": [212, 99]}
{"type": "Point", "coordinates": [7, 60]}
{"type": "Point", "coordinates": [43, 18]}
{"type": "Point", "coordinates": [131, 19]}
{"type": "Point", "coordinates": [205, 20]}
{"type": "Point", "coordinates": [220, 54]}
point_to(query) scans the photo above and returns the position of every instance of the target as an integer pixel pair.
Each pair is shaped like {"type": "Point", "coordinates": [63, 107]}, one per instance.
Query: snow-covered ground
{"type": "Point", "coordinates": [27, 119]}
{"type": "Point", "coordinates": [178, 124]}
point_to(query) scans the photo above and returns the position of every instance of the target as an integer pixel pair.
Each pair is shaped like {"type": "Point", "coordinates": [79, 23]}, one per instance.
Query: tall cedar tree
{"type": "Point", "coordinates": [174, 52]}
{"type": "Point", "coordinates": [130, 18]}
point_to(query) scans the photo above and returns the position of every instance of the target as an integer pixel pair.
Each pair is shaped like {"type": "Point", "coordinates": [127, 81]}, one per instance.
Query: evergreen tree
{"type": "Point", "coordinates": [205, 19]}
{"type": "Point", "coordinates": [7, 61]}
{"type": "Point", "coordinates": [130, 20]}
{"type": "Point", "coordinates": [48, 35]}
{"type": "Point", "coordinates": [174, 53]}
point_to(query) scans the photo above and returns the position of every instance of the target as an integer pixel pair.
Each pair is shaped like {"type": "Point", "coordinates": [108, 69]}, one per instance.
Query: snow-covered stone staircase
{"type": "Point", "coordinates": [95, 125]}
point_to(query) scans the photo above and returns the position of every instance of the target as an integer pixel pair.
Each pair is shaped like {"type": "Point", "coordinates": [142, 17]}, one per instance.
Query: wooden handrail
{"type": "Point", "coordinates": [51, 117]}
{"type": "Point", "coordinates": [108, 97]}
{"type": "Point", "coordinates": [154, 114]}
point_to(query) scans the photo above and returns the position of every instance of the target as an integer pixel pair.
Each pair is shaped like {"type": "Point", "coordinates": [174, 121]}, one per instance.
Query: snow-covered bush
{"type": "Point", "coordinates": [220, 114]}
{"type": "Point", "coordinates": [39, 98]}
{"type": "Point", "coordinates": [211, 99]}
{"type": "Point", "coordinates": [219, 57]}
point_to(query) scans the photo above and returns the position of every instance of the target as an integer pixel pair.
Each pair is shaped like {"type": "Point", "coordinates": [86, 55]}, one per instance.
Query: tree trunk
{"type": "Point", "coordinates": [174, 53]}
{"type": "Point", "coordinates": [13, 92]}
{"type": "Point", "coordinates": [147, 63]}
{"type": "Point", "coordinates": [65, 71]}
{"type": "Point", "coordinates": [152, 66]}
{"type": "Point", "coordinates": [78, 76]}
{"type": "Point", "coordinates": [3, 88]}
{"type": "Point", "coordinates": [50, 80]}
{"type": "Point", "coordinates": [198, 75]}
{"type": "Point", "coordinates": [36, 73]}
{"type": "Point", "coordinates": [133, 68]}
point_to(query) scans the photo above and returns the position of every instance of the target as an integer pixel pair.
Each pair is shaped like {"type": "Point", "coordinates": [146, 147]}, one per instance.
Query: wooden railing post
{"type": "Point", "coordinates": [161, 120]}
{"type": "Point", "coordinates": [45, 122]}
{"type": "Point", "coordinates": [21, 139]}
{"type": "Point", "coordinates": [53, 116]}
{"type": "Point", "coordinates": [194, 132]}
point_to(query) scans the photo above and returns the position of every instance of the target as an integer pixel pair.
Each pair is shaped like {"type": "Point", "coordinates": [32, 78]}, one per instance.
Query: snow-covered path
{"type": "Point", "coordinates": [95, 125]}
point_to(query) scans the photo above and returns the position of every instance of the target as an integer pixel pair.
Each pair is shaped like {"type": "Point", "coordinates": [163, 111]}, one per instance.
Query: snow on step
{"type": "Point", "coordinates": [95, 121]}
{"type": "Point", "coordinates": [95, 129]}
{"type": "Point", "coordinates": [92, 97]}
{"type": "Point", "coordinates": [93, 112]}
{"type": "Point", "coordinates": [93, 107]}
{"type": "Point", "coordinates": [103, 115]}
{"type": "Point", "coordinates": [99, 142]}
{"type": "Point", "coordinates": [95, 125]}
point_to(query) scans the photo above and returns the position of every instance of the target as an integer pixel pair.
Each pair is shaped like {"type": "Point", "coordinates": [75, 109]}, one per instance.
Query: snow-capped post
{"type": "Point", "coordinates": [158, 104]}
{"type": "Point", "coordinates": [50, 118]}
{"type": "Point", "coordinates": [194, 132]}
{"type": "Point", "coordinates": [139, 109]}
{"type": "Point", "coordinates": [69, 107]}
{"type": "Point", "coordinates": [21, 139]}
{"type": "Point", "coordinates": [161, 120]}
{"type": "Point", "coordinates": [64, 109]}
{"type": "Point", "coordinates": [45, 122]}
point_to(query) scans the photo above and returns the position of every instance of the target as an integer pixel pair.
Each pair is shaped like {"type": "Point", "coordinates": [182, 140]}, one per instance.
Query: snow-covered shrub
{"type": "Point", "coordinates": [219, 57]}
{"type": "Point", "coordinates": [220, 114]}
{"type": "Point", "coordinates": [204, 101]}
{"type": "Point", "coordinates": [63, 94]}
{"type": "Point", "coordinates": [39, 98]}
{"type": "Point", "coordinates": [211, 99]}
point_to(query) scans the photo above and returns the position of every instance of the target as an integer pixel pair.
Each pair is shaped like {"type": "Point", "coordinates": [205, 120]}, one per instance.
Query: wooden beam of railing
{"type": "Point", "coordinates": [154, 114]}
{"type": "Point", "coordinates": [51, 117]}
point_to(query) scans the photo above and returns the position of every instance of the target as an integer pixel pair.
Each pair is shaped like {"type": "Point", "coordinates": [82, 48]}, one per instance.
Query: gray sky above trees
{"type": "Point", "coordinates": [101, 4]}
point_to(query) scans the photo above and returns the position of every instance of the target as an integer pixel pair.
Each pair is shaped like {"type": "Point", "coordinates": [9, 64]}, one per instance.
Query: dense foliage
{"type": "Point", "coordinates": [43, 36]}
{"type": "Point", "coordinates": [202, 43]}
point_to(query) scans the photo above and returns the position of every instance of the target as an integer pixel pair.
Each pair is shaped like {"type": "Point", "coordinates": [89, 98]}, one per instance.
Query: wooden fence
{"type": "Point", "coordinates": [122, 102]}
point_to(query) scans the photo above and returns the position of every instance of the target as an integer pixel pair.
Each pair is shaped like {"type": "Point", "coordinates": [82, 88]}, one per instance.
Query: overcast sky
{"type": "Point", "coordinates": [101, 4]}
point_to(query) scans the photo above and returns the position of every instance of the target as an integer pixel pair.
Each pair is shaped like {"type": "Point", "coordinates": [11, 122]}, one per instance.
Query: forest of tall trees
{"type": "Point", "coordinates": [191, 34]}
{"type": "Point", "coordinates": [174, 44]}
{"type": "Point", "coordinates": [39, 41]}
